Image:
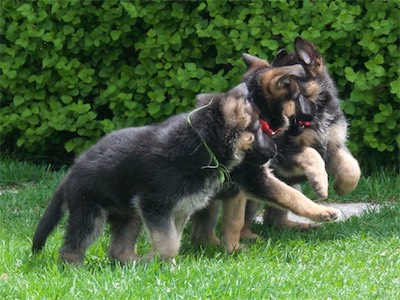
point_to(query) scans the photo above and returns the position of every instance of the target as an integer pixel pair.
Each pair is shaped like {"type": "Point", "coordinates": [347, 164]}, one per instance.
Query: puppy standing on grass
{"type": "Point", "coordinates": [157, 174]}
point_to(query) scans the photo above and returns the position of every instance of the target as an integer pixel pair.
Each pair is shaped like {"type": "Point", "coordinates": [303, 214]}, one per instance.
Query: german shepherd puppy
{"type": "Point", "coordinates": [315, 141]}
{"type": "Point", "coordinates": [157, 175]}
{"type": "Point", "coordinates": [279, 94]}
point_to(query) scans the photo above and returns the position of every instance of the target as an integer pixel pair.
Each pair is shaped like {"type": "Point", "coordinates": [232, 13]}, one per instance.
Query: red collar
{"type": "Point", "coordinates": [266, 128]}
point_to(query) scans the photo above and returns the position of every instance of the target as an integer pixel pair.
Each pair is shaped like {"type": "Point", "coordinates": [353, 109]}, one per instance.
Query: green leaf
{"type": "Point", "coordinates": [154, 109]}
{"type": "Point", "coordinates": [68, 29]}
{"type": "Point", "coordinates": [395, 87]}
{"type": "Point", "coordinates": [379, 118]}
{"type": "Point", "coordinates": [151, 33]}
{"type": "Point", "coordinates": [255, 31]}
{"type": "Point", "coordinates": [379, 59]}
{"type": "Point", "coordinates": [175, 39]}
{"type": "Point", "coordinates": [140, 70]}
{"type": "Point", "coordinates": [115, 34]}
{"type": "Point", "coordinates": [69, 146]}
{"type": "Point", "coordinates": [349, 108]}
{"type": "Point", "coordinates": [20, 141]}
{"type": "Point", "coordinates": [12, 74]}
{"type": "Point", "coordinates": [350, 74]}
{"type": "Point", "coordinates": [202, 6]}
{"type": "Point", "coordinates": [66, 99]}
{"type": "Point", "coordinates": [190, 66]}
{"type": "Point", "coordinates": [130, 8]}
{"type": "Point", "coordinates": [169, 108]}
{"type": "Point", "coordinates": [18, 100]}
{"type": "Point", "coordinates": [23, 42]}
{"type": "Point", "coordinates": [270, 44]}
{"type": "Point", "coordinates": [386, 109]}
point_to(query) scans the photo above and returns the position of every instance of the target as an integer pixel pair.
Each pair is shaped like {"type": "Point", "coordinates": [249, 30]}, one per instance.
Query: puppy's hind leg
{"type": "Point", "coordinates": [84, 226]}
{"type": "Point", "coordinates": [125, 230]}
{"type": "Point", "coordinates": [249, 217]}
{"type": "Point", "coordinates": [340, 162]}
{"type": "Point", "coordinates": [233, 211]}
{"type": "Point", "coordinates": [204, 223]}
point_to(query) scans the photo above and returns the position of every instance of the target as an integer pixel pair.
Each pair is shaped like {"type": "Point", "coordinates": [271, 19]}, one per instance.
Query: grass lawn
{"type": "Point", "coordinates": [355, 259]}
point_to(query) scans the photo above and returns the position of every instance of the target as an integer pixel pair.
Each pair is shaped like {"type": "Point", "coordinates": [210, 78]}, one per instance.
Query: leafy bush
{"type": "Point", "coordinates": [74, 70]}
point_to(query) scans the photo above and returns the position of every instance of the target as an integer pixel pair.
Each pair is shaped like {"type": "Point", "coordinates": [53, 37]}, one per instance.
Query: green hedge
{"type": "Point", "coordinates": [74, 70]}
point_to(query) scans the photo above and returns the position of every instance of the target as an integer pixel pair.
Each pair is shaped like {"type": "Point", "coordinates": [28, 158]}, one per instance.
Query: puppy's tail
{"type": "Point", "coordinates": [49, 221]}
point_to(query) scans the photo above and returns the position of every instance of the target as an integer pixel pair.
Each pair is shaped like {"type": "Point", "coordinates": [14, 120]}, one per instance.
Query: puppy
{"type": "Point", "coordinates": [259, 183]}
{"type": "Point", "coordinates": [315, 141]}
{"type": "Point", "coordinates": [155, 175]}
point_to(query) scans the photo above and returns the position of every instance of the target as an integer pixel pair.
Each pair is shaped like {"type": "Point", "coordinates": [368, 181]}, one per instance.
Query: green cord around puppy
{"type": "Point", "coordinates": [222, 169]}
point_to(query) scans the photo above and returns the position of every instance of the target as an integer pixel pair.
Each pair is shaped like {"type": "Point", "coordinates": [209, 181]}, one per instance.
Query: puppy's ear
{"type": "Point", "coordinates": [278, 82]}
{"type": "Point", "coordinates": [280, 76]}
{"type": "Point", "coordinates": [281, 54]}
{"type": "Point", "coordinates": [306, 51]}
{"type": "Point", "coordinates": [236, 112]}
{"type": "Point", "coordinates": [203, 99]}
{"type": "Point", "coordinates": [240, 91]}
{"type": "Point", "coordinates": [283, 81]}
{"type": "Point", "coordinates": [253, 62]}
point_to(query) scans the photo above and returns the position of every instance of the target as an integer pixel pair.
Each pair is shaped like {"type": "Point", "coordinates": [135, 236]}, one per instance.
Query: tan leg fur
{"type": "Point", "coordinates": [250, 214]}
{"type": "Point", "coordinates": [314, 169]}
{"type": "Point", "coordinates": [204, 223]}
{"type": "Point", "coordinates": [284, 196]}
{"type": "Point", "coordinates": [233, 220]}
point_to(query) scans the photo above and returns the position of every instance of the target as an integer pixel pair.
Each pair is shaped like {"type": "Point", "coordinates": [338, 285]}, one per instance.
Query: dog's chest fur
{"type": "Point", "coordinates": [191, 203]}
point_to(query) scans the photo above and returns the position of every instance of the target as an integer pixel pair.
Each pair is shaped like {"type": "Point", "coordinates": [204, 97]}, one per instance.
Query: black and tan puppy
{"type": "Point", "coordinates": [279, 95]}
{"type": "Point", "coordinates": [157, 174]}
{"type": "Point", "coordinates": [315, 141]}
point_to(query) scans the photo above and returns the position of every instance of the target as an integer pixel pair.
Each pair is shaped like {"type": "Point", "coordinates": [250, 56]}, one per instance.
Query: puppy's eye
{"type": "Point", "coordinates": [311, 97]}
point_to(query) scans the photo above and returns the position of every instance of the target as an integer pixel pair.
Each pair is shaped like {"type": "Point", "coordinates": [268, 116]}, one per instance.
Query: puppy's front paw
{"type": "Point", "coordinates": [230, 249]}
{"type": "Point", "coordinates": [320, 185]}
{"type": "Point", "coordinates": [232, 245]}
{"type": "Point", "coordinates": [328, 214]}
